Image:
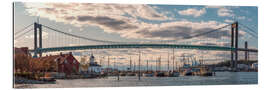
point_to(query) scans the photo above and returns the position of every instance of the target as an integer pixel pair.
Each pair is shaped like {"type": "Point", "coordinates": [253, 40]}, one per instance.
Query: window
{"type": "Point", "coordinates": [74, 61]}
{"type": "Point", "coordinates": [65, 61]}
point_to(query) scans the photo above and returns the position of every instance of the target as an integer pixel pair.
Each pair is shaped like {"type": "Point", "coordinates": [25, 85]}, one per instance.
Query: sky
{"type": "Point", "coordinates": [135, 23]}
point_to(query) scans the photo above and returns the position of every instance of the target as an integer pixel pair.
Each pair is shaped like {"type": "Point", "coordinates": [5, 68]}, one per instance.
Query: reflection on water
{"type": "Point", "coordinates": [221, 78]}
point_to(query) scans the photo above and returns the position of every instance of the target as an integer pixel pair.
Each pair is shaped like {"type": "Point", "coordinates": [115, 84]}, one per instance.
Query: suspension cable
{"type": "Point", "coordinates": [79, 36]}
{"type": "Point", "coordinates": [254, 35]}
{"type": "Point", "coordinates": [250, 29]}
{"type": "Point", "coordinates": [105, 41]}
{"type": "Point", "coordinates": [24, 33]}
{"type": "Point", "coordinates": [197, 35]}
{"type": "Point", "coordinates": [23, 29]}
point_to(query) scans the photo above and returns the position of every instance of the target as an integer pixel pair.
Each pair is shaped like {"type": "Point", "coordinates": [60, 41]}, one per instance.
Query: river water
{"type": "Point", "coordinates": [221, 78]}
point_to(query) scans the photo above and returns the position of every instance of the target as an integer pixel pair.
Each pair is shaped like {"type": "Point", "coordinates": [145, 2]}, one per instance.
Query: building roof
{"type": "Point", "coordinates": [61, 58]}
{"type": "Point", "coordinates": [22, 50]}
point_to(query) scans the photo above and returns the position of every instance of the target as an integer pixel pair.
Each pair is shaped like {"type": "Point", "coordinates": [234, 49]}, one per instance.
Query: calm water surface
{"type": "Point", "coordinates": [221, 78]}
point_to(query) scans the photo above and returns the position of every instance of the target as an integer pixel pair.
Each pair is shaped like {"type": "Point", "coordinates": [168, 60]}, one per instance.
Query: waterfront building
{"type": "Point", "coordinates": [62, 64]}
{"type": "Point", "coordinates": [68, 64]}
{"type": "Point", "coordinates": [22, 50]}
{"type": "Point", "coordinates": [83, 65]}
{"type": "Point", "coordinates": [93, 67]}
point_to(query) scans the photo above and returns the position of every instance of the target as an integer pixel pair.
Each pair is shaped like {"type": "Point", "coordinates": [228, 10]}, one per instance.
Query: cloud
{"type": "Point", "coordinates": [228, 21]}
{"type": "Point", "coordinates": [181, 30]}
{"type": "Point", "coordinates": [123, 20]}
{"type": "Point", "coordinates": [107, 22]}
{"type": "Point", "coordinates": [241, 17]}
{"type": "Point", "coordinates": [193, 12]}
{"type": "Point", "coordinates": [225, 12]}
{"type": "Point", "coordinates": [214, 6]}
{"type": "Point", "coordinates": [142, 11]}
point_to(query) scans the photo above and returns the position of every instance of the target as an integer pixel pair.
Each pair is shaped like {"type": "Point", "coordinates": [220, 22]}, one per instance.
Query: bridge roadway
{"type": "Point", "coordinates": [115, 46]}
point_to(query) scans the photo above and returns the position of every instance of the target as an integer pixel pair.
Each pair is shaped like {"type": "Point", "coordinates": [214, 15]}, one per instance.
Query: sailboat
{"type": "Point", "coordinates": [174, 73]}
{"type": "Point", "coordinates": [131, 73]}
{"type": "Point", "coordinates": [148, 73]}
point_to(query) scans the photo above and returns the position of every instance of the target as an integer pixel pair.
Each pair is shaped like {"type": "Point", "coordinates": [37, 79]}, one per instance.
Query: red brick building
{"type": "Point", "coordinates": [62, 63]}
{"type": "Point", "coordinates": [67, 64]}
{"type": "Point", "coordinates": [22, 50]}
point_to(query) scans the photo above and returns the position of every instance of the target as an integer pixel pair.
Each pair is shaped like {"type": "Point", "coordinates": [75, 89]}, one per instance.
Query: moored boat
{"type": "Point", "coordinates": [122, 74]}
{"type": "Point", "coordinates": [131, 74]}
{"type": "Point", "coordinates": [159, 74]}
{"type": "Point", "coordinates": [148, 74]}
{"type": "Point", "coordinates": [174, 74]}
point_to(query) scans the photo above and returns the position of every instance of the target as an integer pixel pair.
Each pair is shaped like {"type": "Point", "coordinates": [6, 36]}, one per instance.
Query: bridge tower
{"type": "Point", "coordinates": [246, 52]}
{"type": "Point", "coordinates": [37, 29]}
{"type": "Point", "coordinates": [234, 44]}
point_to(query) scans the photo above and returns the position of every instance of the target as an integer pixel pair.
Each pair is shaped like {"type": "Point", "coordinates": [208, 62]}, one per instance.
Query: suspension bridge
{"type": "Point", "coordinates": [61, 40]}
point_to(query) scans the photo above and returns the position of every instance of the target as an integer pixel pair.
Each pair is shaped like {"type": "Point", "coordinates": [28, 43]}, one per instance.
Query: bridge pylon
{"type": "Point", "coordinates": [37, 29]}
{"type": "Point", "coordinates": [246, 52]}
{"type": "Point", "coordinates": [234, 44]}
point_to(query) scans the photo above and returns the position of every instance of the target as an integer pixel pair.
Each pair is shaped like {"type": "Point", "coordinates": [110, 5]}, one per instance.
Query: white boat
{"type": "Point", "coordinates": [148, 74]}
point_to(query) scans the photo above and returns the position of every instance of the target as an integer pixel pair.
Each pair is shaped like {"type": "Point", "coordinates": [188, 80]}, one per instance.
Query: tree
{"type": "Point", "coordinates": [22, 62]}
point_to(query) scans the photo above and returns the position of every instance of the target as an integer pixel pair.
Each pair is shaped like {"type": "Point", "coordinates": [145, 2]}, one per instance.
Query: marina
{"type": "Point", "coordinates": [221, 78]}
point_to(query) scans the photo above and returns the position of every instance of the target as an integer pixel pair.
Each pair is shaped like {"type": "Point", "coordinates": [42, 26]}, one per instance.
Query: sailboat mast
{"type": "Point", "coordinates": [156, 65]}
{"type": "Point", "coordinates": [100, 61]}
{"type": "Point", "coordinates": [134, 68]}
{"type": "Point", "coordinates": [168, 61]}
{"type": "Point", "coordinates": [147, 65]}
{"type": "Point", "coordinates": [108, 62]}
{"type": "Point", "coordinates": [130, 63]}
{"type": "Point", "coordinates": [173, 59]}
{"type": "Point", "coordinates": [139, 64]}
{"type": "Point", "coordinates": [159, 63]}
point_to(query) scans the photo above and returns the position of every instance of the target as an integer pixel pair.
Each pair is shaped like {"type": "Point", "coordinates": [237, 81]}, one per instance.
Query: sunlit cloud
{"type": "Point", "coordinates": [192, 12]}
{"type": "Point", "coordinates": [225, 12]}
{"type": "Point", "coordinates": [123, 19]}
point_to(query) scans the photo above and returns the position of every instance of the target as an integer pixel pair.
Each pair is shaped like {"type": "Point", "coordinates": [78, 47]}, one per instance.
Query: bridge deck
{"type": "Point", "coordinates": [199, 47]}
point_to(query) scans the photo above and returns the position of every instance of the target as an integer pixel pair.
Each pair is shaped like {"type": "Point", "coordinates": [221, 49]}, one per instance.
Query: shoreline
{"type": "Point", "coordinates": [125, 81]}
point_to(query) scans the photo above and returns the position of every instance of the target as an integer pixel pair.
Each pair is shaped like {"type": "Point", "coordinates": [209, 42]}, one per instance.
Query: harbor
{"type": "Point", "coordinates": [92, 68]}
{"type": "Point", "coordinates": [221, 78]}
